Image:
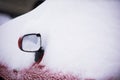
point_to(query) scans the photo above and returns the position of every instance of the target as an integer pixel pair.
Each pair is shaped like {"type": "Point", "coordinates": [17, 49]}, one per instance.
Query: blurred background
{"type": "Point", "coordinates": [12, 8]}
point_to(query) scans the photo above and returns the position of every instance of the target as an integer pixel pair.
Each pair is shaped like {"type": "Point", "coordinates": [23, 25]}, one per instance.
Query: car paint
{"type": "Point", "coordinates": [81, 37]}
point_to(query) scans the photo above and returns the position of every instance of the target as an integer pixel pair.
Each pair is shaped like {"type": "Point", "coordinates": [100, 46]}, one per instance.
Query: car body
{"type": "Point", "coordinates": [79, 37]}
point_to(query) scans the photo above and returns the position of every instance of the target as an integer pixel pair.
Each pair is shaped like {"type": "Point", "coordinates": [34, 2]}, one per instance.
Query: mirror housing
{"type": "Point", "coordinates": [30, 42]}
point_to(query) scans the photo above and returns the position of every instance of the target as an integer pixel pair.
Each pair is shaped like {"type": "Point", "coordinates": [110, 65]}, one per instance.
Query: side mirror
{"type": "Point", "coordinates": [30, 42]}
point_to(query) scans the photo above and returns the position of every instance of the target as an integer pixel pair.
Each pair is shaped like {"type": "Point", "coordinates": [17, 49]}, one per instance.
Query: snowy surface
{"type": "Point", "coordinates": [81, 37]}
{"type": "Point", "coordinates": [4, 18]}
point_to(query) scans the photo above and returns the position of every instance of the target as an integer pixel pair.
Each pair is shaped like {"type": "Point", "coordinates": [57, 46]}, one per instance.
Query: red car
{"type": "Point", "coordinates": [63, 40]}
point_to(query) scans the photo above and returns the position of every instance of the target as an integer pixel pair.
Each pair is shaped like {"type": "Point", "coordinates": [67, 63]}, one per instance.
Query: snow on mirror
{"type": "Point", "coordinates": [31, 42]}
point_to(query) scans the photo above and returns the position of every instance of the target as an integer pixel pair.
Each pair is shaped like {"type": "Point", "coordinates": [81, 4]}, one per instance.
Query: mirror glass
{"type": "Point", "coordinates": [31, 42]}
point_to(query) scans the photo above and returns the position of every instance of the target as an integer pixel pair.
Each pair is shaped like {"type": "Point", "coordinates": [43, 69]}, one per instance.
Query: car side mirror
{"type": "Point", "coordinates": [30, 42]}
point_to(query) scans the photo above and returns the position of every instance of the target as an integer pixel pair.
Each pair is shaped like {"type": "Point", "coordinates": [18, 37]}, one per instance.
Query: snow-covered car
{"type": "Point", "coordinates": [63, 40]}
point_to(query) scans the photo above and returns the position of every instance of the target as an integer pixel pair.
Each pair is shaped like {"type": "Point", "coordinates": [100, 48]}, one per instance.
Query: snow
{"type": "Point", "coordinates": [81, 37]}
{"type": "Point", "coordinates": [4, 18]}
